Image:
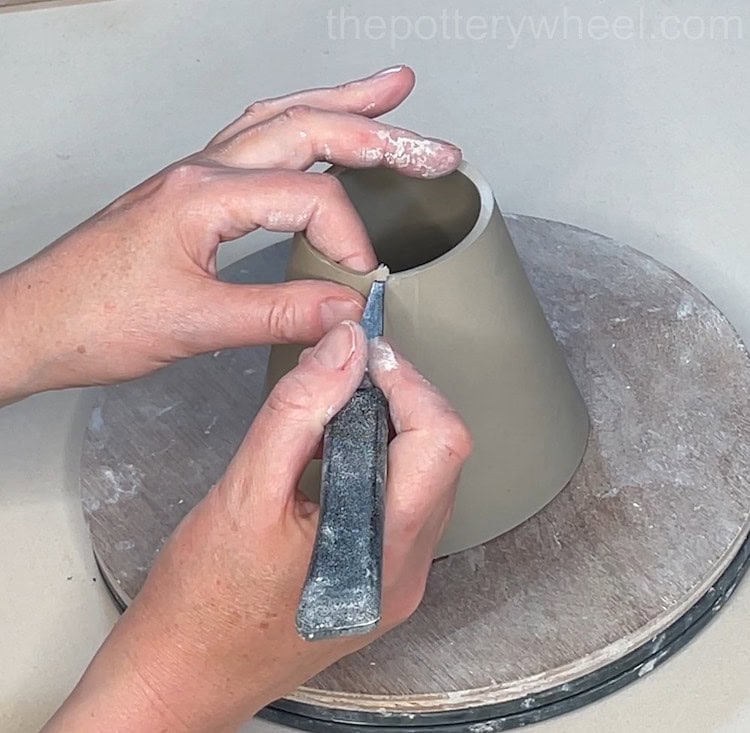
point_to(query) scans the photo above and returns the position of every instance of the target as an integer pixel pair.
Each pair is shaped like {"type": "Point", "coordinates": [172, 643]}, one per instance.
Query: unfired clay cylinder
{"type": "Point", "coordinates": [460, 307]}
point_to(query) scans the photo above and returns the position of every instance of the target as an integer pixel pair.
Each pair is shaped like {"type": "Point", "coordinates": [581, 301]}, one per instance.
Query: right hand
{"type": "Point", "coordinates": [211, 637]}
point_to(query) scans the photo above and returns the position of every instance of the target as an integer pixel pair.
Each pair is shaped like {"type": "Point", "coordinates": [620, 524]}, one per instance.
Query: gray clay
{"type": "Point", "coordinates": [460, 307]}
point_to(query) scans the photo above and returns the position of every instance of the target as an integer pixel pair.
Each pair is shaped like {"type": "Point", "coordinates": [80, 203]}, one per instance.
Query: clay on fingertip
{"type": "Point", "coordinates": [381, 356]}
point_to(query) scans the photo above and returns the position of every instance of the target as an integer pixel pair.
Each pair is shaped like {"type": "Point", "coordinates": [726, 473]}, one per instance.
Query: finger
{"type": "Point", "coordinates": [302, 135]}
{"type": "Point", "coordinates": [228, 315]}
{"type": "Point", "coordinates": [236, 202]}
{"type": "Point", "coordinates": [431, 446]}
{"type": "Point", "coordinates": [306, 352]}
{"type": "Point", "coordinates": [289, 426]}
{"type": "Point", "coordinates": [372, 96]}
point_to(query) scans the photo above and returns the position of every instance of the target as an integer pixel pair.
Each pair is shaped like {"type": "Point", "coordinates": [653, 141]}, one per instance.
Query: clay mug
{"type": "Point", "coordinates": [460, 307]}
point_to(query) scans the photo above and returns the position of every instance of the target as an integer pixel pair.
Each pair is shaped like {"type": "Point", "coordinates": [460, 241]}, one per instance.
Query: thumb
{"type": "Point", "coordinates": [231, 315]}
{"type": "Point", "coordinates": [289, 426]}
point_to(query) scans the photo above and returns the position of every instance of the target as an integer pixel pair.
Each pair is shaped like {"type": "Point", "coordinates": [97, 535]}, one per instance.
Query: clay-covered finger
{"type": "Point", "coordinates": [236, 202]}
{"type": "Point", "coordinates": [290, 425]}
{"type": "Point", "coordinates": [303, 135]}
{"type": "Point", "coordinates": [431, 445]}
{"type": "Point", "coordinates": [372, 96]}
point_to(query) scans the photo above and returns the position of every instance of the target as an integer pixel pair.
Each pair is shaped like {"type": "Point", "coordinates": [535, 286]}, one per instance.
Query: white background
{"type": "Point", "coordinates": [645, 140]}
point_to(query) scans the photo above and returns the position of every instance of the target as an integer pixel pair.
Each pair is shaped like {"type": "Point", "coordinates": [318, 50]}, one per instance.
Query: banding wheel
{"type": "Point", "coordinates": [639, 551]}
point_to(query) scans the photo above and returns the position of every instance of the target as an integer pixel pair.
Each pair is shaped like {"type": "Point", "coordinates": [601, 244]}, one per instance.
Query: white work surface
{"type": "Point", "coordinates": [643, 139]}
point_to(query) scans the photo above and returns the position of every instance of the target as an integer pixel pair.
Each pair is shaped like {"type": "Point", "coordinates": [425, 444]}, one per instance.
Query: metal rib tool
{"type": "Point", "coordinates": [341, 596]}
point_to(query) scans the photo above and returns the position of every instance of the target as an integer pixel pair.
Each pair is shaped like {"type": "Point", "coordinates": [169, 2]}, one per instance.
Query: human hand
{"type": "Point", "coordinates": [135, 288]}
{"type": "Point", "coordinates": [211, 637]}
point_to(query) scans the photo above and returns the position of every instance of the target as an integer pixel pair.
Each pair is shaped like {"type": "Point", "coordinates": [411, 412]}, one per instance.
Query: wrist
{"type": "Point", "coordinates": [37, 353]}
{"type": "Point", "coordinates": [112, 696]}
{"type": "Point", "coordinates": [181, 671]}
{"type": "Point", "coordinates": [19, 363]}
{"type": "Point", "coordinates": [149, 677]}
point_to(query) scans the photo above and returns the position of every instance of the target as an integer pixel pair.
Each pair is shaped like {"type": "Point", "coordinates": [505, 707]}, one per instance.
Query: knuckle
{"type": "Point", "coordinates": [281, 320]}
{"type": "Point", "coordinates": [184, 175]}
{"type": "Point", "coordinates": [330, 186]}
{"type": "Point", "coordinates": [291, 396]}
{"type": "Point", "coordinates": [256, 109]}
{"type": "Point", "coordinates": [456, 437]}
{"type": "Point", "coordinates": [411, 520]}
{"type": "Point", "coordinates": [297, 113]}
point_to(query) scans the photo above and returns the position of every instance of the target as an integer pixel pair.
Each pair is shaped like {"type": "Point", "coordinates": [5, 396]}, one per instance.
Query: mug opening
{"type": "Point", "coordinates": [414, 221]}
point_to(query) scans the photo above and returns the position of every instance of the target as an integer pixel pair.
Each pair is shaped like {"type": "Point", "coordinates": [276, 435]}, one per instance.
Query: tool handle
{"type": "Point", "coordinates": [341, 596]}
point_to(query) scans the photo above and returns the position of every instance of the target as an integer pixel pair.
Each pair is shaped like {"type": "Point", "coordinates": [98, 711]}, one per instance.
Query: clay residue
{"type": "Point", "coordinates": [382, 356]}
{"type": "Point", "coordinates": [380, 275]}
{"type": "Point", "coordinates": [427, 158]}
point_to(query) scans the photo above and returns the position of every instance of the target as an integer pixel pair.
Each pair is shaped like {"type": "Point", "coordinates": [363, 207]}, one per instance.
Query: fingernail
{"type": "Point", "coordinates": [336, 348]}
{"type": "Point", "coordinates": [447, 157]}
{"type": "Point", "coordinates": [449, 147]}
{"type": "Point", "coordinates": [359, 263]}
{"type": "Point", "coordinates": [336, 310]}
{"type": "Point", "coordinates": [446, 150]}
{"type": "Point", "coordinates": [389, 70]}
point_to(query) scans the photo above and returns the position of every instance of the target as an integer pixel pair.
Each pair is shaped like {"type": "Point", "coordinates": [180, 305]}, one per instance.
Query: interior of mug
{"type": "Point", "coordinates": [412, 221]}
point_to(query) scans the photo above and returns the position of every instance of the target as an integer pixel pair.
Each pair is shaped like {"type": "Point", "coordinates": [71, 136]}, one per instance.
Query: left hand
{"type": "Point", "coordinates": [134, 288]}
